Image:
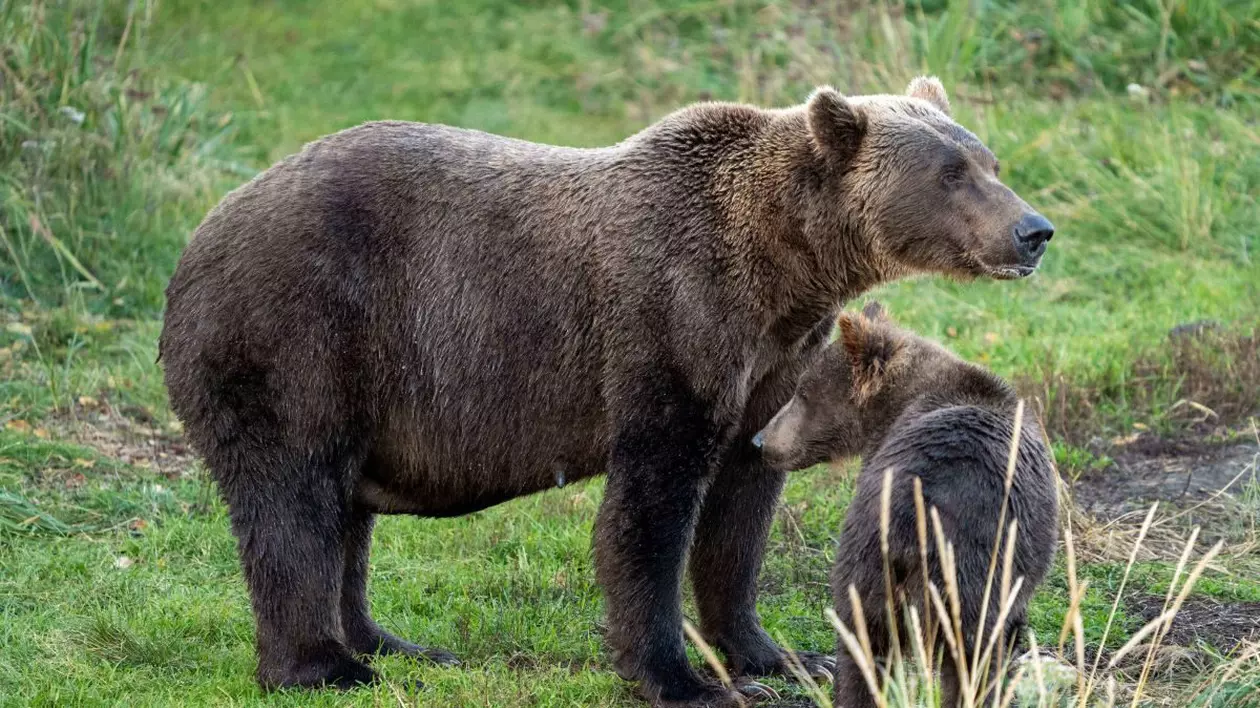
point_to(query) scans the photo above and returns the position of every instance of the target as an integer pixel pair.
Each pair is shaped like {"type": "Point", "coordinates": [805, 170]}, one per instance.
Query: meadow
{"type": "Point", "coordinates": [1135, 126]}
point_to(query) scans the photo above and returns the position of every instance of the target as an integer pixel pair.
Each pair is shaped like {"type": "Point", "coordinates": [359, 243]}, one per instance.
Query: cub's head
{"type": "Point", "coordinates": [924, 193]}
{"type": "Point", "coordinates": [858, 387]}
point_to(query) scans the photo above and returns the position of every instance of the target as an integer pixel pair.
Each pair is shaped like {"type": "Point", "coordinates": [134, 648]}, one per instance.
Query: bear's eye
{"type": "Point", "coordinates": [955, 173]}
{"type": "Point", "coordinates": [997, 168]}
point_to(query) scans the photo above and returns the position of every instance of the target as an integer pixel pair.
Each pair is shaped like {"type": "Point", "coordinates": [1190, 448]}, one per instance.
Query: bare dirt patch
{"type": "Point", "coordinates": [1223, 625]}
{"type": "Point", "coordinates": [1205, 490]}
{"type": "Point", "coordinates": [128, 434]}
{"type": "Point", "coordinates": [788, 703]}
{"type": "Point", "coordinates": [1180, 472]}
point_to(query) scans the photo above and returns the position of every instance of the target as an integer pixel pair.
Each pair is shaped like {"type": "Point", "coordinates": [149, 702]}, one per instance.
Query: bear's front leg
{"type": "Point", "coordinates": [656, 480]}
{"type": "Point", "coordinates": [730, 540]}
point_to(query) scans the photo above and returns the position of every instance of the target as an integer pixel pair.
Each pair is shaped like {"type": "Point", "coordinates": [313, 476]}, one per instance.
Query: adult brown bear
{"type": "Point", "coordinates": [410, 318]}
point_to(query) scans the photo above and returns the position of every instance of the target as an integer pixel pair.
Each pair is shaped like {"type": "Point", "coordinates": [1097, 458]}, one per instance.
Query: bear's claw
{"type": "Point", "coordinates": [758, 691]}
{"type": "Point", "coordinates": [818, 666]}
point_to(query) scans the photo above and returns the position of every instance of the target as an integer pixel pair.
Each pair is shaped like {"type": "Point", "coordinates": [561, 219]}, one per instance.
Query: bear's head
{"type": "Point", "coordinates": [922, 192]}
{"type": "Point", "coordinates": [862, 383]}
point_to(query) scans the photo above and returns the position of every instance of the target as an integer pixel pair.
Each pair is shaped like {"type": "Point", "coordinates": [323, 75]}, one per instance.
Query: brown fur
{"type": "Point", "coordinates": [410, 318]}
{"type": "Point", "coordinates": [907, 404]}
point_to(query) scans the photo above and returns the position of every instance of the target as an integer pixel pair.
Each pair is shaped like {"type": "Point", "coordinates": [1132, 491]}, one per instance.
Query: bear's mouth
{"type": "Point", "coordinates": [1011, 272]}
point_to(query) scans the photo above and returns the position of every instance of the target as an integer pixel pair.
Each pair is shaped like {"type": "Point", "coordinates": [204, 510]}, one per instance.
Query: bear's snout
{"type": "Point", "coordinates": [779, 441]}
{"type": "Point", "coordinates": [1032, 233]}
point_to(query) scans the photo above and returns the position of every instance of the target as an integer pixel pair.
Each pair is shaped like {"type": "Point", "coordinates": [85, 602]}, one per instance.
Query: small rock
{"type": "Point", "coordinates": [75, 115]}
{"type": "Point", "coordinates": [1193, 330]}
{"type": "Point", "coordinates": [123, 562]}
{"type": "Point", "coordinates": [1058, 680]}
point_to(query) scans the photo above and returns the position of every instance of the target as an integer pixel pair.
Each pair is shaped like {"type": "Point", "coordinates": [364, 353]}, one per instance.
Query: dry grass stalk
{"type": "Point", "coordinates": [1008, 482]}
{"type": "Point", "coordinates": [1248, 660]}
{"type": "Point", "coordinates": [1115, 605]}
{"type": "Point", "coordinates": [920, 518]}
{"type": "Point", "coordinates": [1167, 617]}
{"type": "Point", "coordinates": [919, 643]}
{"type": "Point", "coordinates": [706, 651]}
{"type": "Point", "coordinates": [1168, 596]}
{"type": "Point", "coordinates": [864, 660]}
{"type": "Point", "coordinates": [885, 525]}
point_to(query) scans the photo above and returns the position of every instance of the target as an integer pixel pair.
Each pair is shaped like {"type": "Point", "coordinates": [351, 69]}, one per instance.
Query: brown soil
{"type": "Point", "coordinates": [128, 434]}
{"type": "Point", "coordinates": [1223, 625]}
{"type": "Point", "coordinates": [1181, 472]}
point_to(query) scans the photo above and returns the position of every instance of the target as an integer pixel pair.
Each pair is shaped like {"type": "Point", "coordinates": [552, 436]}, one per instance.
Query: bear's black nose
{"type": "Point", "coordinates": [1031, 235]}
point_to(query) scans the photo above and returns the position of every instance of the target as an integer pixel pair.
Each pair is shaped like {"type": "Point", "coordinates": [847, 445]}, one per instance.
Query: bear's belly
{"type": "Point", "coordinates": [457, 490]}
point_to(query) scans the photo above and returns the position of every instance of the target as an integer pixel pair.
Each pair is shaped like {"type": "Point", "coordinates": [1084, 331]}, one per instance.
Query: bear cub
{"type": "Point", "coordinates": [907, 404]}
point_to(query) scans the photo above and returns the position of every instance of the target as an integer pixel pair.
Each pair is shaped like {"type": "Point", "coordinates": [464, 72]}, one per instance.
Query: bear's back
{"type": "Point", "coordinates": [960, 454]}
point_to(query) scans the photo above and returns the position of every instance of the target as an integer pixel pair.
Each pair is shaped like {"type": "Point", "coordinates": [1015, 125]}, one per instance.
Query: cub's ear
{"type": "Point", "coordinates": [875, 311]}
{"type": "Point", "coordinates": [871, 348]}
{"type": "Point", "coordinates": [930, 89]}
{"type": "Point", "coordinates": [836, 125]}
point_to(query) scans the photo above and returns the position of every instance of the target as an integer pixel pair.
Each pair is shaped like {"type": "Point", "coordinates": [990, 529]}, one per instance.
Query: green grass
{"type": "Point", "coordinates": [121, 124]}
{"type": "Point", "coordinates": [102, 159]}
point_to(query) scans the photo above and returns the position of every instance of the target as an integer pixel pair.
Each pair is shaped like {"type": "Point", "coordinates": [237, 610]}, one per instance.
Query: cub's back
{"type": "Point", "coordinates": [960, 454]}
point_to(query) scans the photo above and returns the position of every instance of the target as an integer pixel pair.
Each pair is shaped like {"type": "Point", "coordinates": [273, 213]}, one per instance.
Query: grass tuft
{"type": "Point", "coordinates": [104, 162]}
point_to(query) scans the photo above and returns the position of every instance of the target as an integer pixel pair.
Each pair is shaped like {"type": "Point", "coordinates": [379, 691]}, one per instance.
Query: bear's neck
{"type": "Point", "coordinates": [974, 388]}
{"type": "Point", "coordinates": [793, 271]}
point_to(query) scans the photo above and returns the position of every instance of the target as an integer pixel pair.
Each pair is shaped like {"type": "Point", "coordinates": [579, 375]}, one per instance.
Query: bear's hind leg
{"type": "Point", "coordinates": [289, 525]}
{"type": "Point", "coordinates": [853, 570]}
{"type": "Point", "coordinates": [851, 689]}
{"type": "Point", "coordinates": [363, 635]}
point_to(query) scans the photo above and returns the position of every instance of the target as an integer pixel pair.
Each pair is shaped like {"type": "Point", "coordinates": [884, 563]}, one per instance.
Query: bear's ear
{"type": "Point", "coordinates": [871, 349]}
{"type": "Point", "coordinates": [930, 89]}
{"type": "Point", "coordinates": [875, 311]}
{"type": "Point", "coordinates": [835, 124]}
